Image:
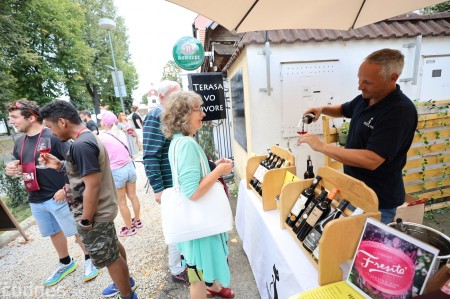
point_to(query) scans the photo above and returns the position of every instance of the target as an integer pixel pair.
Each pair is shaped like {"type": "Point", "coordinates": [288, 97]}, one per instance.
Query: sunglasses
{"type": "Point", "coordinates": [20, 106]}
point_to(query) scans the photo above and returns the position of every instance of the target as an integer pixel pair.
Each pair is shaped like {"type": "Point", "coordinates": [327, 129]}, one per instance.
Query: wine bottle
{"type": "Point", "coordinates": [268, 160]}
{"type": "Point", "coordinates": [261, 166]}
{"type": "Point", "coordinates": [274, 163]}
{"type": "Point", "coordinates": [308, 118]}
{"type": "Point", "coordinates": [309, 173]}
{"type": "Point", "coordinates": [302, 202]}
{"type": "Point", "coordinates": [312, 239]}
{"type": "Point", "coordinates": [319, 212]}
{"type": "Point", "coordinates": [315, 253]}
{"type": "Point", "coordinates": [263, 172]}
{"type": "Point", "coordinates": [357, 211]}
{"type": "Point", "coordinates": [277, 163]}
{"type": "Point", "coordinates": [280, 163]}
{"type": "Point", "coordinates": [309, 207]}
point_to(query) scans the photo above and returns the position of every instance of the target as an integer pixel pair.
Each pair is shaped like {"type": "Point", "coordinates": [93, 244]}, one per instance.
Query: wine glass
{"type": "Point", "coordinates": [44, 147]}
{"type": "Point", "coordinates": [302, 129]}
{"type": "Point", "coordinates": [10, 161]}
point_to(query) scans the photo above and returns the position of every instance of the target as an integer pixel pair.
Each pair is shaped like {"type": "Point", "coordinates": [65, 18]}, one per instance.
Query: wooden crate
{"type": "Point", "coordinates": [341, 236]}
{"type": "Point", "coordinates": [273, 179]}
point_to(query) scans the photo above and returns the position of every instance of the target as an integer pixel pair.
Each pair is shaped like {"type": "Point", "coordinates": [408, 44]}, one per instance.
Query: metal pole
{"type": "Point", "coordinates": [115, 71]}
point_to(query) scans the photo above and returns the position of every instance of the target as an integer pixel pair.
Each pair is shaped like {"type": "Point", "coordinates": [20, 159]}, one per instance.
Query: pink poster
{"type": "Point", "coordinates": [390, 264]}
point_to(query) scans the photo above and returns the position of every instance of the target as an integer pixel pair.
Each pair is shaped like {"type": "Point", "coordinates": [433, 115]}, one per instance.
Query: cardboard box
{"type": "Point", "coordinates": [410, 213]}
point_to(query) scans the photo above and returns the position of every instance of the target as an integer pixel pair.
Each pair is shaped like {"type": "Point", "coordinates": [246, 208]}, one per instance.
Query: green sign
{"type": "Point", "coordinates": [188, 53]}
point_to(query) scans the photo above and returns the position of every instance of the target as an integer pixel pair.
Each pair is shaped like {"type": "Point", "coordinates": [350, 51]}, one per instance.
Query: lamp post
{"type": "Point", "coordinates": [109, 25]}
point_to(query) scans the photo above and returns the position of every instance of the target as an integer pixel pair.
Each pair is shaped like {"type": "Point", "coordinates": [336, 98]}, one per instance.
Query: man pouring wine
{"type": "Point", "coordinates": [383, 121]}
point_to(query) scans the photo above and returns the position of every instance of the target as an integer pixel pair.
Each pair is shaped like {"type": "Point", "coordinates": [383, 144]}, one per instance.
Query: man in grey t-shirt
{"type": "Point", "coordinates": [92, 197]}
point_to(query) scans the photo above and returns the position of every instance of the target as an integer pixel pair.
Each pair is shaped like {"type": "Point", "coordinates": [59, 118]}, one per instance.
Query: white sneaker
{"type": "Point", "coordinates": [60, 272]}
{"type": "Point", "coordinates": [90, 271]}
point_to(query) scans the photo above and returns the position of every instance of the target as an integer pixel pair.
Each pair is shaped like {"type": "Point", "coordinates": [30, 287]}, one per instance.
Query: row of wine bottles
{"type": "Point", "coordinates": [309, 215]}
{"type": "Point", "coordinates": [272, 161]}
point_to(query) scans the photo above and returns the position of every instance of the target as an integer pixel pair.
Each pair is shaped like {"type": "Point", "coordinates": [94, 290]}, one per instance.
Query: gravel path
{"type": "Point", "coordinates": [24, 266]}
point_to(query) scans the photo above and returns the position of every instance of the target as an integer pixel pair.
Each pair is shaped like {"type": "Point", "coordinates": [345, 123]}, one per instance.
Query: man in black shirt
{"type": "Point", "coordinates": [383, 122]}
{"type": "Point", "coordinates": [46, 193]}
{"type": "Point", "coordinates": [90, 124]}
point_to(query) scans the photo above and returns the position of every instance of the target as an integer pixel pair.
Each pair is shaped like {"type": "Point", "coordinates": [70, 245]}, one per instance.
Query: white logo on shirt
{"type": "Point", "coordinates": [367, 123]}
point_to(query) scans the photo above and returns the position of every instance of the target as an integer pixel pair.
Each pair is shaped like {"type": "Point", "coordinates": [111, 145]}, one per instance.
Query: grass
{"type": "Point", "coordinates": [20, 213]}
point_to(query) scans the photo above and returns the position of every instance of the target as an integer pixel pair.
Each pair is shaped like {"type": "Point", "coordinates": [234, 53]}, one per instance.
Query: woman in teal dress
{"type": "Point", "coordinates": [206, 258]}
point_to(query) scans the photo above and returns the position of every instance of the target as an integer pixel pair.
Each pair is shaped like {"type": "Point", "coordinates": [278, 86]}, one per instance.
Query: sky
{"type": "Point", "coordinates": [153, 28]}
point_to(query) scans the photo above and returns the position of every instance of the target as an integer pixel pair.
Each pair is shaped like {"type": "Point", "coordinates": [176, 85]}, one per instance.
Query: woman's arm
{"type": "Point", "coordinates": [207, 182]}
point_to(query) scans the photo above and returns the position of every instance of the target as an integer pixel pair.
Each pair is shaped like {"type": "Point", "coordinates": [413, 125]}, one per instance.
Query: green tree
{"type": "Point", "coordinates": [55, 48]}
{"type": "Point", "coordinates": [144, 99]}
{"type": "Point", "coordinates": [171, 71]}
{"type": "Point", "coordinates": [441, 7]}
{"type": "Point", "coordinates": [13, 44]}
{"type": "Point", "coordinates": [98, 79]}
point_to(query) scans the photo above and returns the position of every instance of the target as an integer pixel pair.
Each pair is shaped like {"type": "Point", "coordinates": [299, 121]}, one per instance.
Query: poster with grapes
{"type": "Point", "coordinates": [390, 264]}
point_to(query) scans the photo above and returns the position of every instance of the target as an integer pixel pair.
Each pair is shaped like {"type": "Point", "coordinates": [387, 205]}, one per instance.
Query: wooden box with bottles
{"type": "Point", "coordinates": [274, 178]}
{"type": "Point", "coordinates": [340, 237]}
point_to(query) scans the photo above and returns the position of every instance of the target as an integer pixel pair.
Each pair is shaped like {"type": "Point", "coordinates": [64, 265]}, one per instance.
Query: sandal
{"type": "Point", "coordinates": [223, 293]}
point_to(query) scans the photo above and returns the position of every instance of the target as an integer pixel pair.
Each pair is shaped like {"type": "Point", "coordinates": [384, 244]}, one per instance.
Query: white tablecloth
{"type": "Point", "coordinates": [268, 246]}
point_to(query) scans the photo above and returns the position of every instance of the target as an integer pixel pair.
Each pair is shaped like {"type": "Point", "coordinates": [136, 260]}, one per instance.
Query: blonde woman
{"type": "Point", "coordinates": [206, 258]}
{"type": "Point", "coordinates": [124, 125]}
{"type": "Point", "coordinates": [123, 172]}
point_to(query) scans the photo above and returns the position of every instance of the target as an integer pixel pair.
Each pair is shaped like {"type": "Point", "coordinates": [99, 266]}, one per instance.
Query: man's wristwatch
{"type": "Point", "coordinates": [86, 224]}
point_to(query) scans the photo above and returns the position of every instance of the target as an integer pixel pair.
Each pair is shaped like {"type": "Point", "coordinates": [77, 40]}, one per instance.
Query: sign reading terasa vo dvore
{"type": "Point", "coordinates": [210, 87]}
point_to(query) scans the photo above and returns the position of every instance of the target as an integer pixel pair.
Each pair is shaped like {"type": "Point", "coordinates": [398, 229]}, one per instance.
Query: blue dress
{"type": "Point", "coordinates": [208, 254]}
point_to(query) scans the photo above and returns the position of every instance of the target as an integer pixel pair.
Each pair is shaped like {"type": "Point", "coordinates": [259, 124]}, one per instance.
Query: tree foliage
{"type": "Point", "coordinates": [53, 49]}
{"type": "Point", "coordinates": [171, 71]}
{"type": "Point", "coordinates": [441, 7]}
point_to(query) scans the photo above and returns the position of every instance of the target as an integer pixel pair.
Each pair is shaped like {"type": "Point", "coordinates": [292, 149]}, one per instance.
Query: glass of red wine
{"type": "Point", "coordinates": [44, 147]}
{"type": "Point", "coordinates": [302, 129]}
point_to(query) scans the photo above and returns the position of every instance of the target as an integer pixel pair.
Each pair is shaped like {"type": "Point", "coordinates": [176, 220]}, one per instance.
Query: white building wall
{"type": "Point", "coordinates": [265, 112]}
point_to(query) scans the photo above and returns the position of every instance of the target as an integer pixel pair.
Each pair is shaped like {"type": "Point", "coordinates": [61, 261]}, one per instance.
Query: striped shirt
{"type": "Point", "coordinates": [156, 148]}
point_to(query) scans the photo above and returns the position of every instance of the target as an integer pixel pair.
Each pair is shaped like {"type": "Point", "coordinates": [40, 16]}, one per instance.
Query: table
{"type": "Point", "coordinates": [271, 250]}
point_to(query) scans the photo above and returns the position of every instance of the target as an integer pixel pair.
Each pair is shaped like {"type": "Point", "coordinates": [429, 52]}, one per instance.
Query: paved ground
{"type": "Point", "coordinates": [24, 265]}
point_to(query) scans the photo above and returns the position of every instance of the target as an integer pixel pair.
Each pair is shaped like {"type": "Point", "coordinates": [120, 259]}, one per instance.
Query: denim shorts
{"type": "Point", "coordinates": [124, 175]}
{"type": "Point", "coordinates": [52, 217]}
{"type": "Point", "coordinates": [101, 242]}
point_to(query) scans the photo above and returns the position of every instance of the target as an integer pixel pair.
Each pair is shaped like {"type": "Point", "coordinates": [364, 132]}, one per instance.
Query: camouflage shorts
{"type": "Point", "coordinates": [101, 243]}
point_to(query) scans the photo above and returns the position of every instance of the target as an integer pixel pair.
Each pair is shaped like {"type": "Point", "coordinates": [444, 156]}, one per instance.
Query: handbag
{"type": "Point", "coordinates": [184, 219]}
{"type": "Point", "coordinates": [29, 175]}
{"type": "Point", "coordinates": [131, 132]}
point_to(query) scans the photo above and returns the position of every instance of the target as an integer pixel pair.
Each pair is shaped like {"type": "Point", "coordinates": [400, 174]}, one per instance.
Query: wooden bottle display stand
{"type": "Point", "coordinates": [273, 179]}
{"type": "Point", "coordinates": [341, 236]}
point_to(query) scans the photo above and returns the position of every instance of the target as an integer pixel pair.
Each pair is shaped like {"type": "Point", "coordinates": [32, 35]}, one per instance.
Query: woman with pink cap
{"type": "Point", "coordinates": [123, 171]}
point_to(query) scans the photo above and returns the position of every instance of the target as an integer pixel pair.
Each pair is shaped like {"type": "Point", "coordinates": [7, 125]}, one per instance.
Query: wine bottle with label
{"type": "Point", "coordinates": [309, 173]}
{"type": "Point", "coordinates": [320, 211]}
{"type": "Point", "coordinates": [261, 166]}
{"type": "Point", "coordinates": [309, 207]}
{"type": "Point", "coordinates": [278, 161]}
{"type": "Point", "coordinates": [315, 253]}
{"type": "Point", "coordinates": [312, 239]}
{"type": "Point", "coordinates": [302, 202]}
